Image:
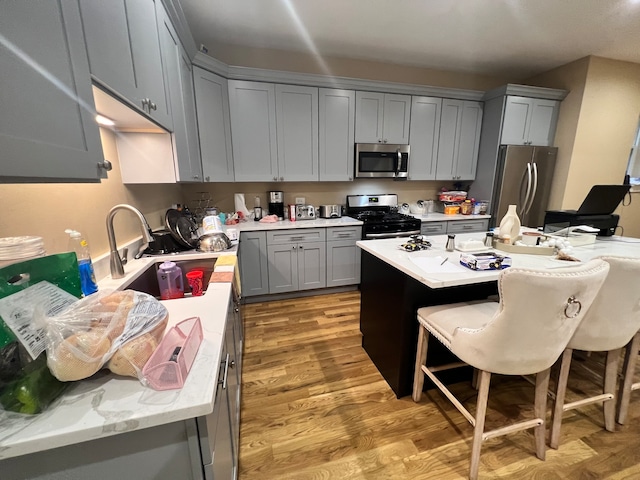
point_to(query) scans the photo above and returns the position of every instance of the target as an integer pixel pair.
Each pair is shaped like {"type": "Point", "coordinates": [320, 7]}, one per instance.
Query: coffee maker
{"type": "Point", "coordinates": [276, 204]}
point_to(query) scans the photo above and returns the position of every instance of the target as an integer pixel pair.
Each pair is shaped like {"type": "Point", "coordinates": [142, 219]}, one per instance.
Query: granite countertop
{"type": "Point", "coordinates": [107, 404]}
{"type": "Point", "coordinates": [451, 273]}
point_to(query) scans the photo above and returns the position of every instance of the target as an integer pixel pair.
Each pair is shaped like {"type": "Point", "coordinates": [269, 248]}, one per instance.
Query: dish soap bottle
{"type": "Point", "coordinates": [510, 225]}
{"type": "Point", "coordinates": [85, 267]}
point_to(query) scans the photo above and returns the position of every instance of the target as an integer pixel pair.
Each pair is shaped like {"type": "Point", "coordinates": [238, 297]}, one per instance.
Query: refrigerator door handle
{"type": "Point", "coordinates": [535, 186]}
{"type": "Point", "coordinates": [526, 174]}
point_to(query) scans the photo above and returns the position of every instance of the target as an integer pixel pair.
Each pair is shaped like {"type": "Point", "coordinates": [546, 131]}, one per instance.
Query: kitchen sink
{"type": "Point", "coordinates": [147, 281]}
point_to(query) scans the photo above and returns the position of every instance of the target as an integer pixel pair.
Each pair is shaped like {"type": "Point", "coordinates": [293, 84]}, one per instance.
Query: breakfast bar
{"type": "Point", "coordinates": [395, 283]}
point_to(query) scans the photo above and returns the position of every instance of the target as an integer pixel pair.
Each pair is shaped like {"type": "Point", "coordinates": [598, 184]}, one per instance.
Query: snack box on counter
{"type": "Point", "coordinates": [485, 261]}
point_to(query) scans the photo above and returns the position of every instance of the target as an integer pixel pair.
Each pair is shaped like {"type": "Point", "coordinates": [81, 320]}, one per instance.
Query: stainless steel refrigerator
{"type": "Point", "coordinates": [523, 177]}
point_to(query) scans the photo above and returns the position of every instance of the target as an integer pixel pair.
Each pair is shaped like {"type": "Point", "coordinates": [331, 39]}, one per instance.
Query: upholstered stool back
{"type": "Point", "coordinates": [535, 319]}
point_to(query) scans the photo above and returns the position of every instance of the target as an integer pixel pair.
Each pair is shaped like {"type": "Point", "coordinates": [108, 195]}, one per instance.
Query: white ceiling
{"type": "Point", "coordinates": [497, 37]}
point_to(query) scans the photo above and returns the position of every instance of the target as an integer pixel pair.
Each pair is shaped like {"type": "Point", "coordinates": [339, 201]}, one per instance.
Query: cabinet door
{"type": "Point", "coordinates": [423, 137]}
{"type": "Point", "coordinates": [214, 126]}
{"type": "Point", "coordinates": [297, 132]}
{"type": "Point", "coordinates": [433, 228]}
{"type": "Point", "coordinates": [459, 140]}
{"type": "Point", "coordinates": [448, 140]}
{"type": "Point", "coordinates": [177, 66]}
{"type": "Point", "coordinates": [542, 127]}
{"type": "Point", "coordinates": [468, 226]}
{"type": "Point", "coordinates": [469, 141]}
{"type": "Point", "coordinates": [253, 263]}
{"type": "Point", "coordinates": [253, 122]}
{"type": "Point", "coordinates": [369, 117]}
{"type": "Point", "coordinates": [343, 263]}
{"type": "Point", "coordinates": [283, 268]}
{"type": "Point", "coordinates": [124, 53]}
{"type": "Point", "coordinates": [336, 117]}
{"type": "Point", "coordinates": [47, 126]}
{"type": "Point", "coordinates": [397, 112]}
{"type": "Point", "coordinates": [517, 117]}
{"type": "Point", "coordinates": [312, 265]}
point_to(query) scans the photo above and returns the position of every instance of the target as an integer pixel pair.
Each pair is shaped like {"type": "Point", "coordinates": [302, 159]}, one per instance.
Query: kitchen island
{"type": "Point", "coordinates": [395, 283]}
{"type": "Point", "coordinates": [113, 427]}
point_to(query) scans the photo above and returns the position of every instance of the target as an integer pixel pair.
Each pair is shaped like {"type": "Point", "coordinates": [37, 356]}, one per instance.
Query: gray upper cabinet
{"type": "Point", "coordinates": [382, 118]}
{"type": "Point", "coordinates": [47, 128]}
{"type": "Point", "coordinates": [459, 140]}
{"type": "Point", "coordinates": [214, 126]}
{"type": "Point", "coordinates": [423, 137]}
{"type": "Point", "coordinates": [124, 53]}
{"type": "Point", "coordinates": [253, 123]}
{"type": "Point", "coordinates": [529, 121]}
{"type": "Point", "coordinates": [336, 117]}
{"type": "Point", "coordinates": [177, 66]}
{"type": "Point", "coordinates": [297, 132]}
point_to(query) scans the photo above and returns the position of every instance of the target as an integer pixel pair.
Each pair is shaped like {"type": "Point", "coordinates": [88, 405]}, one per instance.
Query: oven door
{"type": "Point", "coordinates": [375, 160]}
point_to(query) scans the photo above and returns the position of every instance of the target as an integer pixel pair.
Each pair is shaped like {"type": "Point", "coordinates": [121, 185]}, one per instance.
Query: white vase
{"type": "Point", "coordinates": [510, 226]}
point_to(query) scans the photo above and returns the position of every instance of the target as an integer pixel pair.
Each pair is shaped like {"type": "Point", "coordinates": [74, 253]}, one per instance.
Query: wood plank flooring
{"type": "Point", "coordinates": [315, 407]}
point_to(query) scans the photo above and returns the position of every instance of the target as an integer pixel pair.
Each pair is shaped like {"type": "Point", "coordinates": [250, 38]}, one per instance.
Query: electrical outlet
{"type": "Point", "coordinates": [300, 201]}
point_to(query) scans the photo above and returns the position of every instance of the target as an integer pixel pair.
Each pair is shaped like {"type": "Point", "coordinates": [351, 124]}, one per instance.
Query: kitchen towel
{"type": "Point", "coordinates": [240, 205]}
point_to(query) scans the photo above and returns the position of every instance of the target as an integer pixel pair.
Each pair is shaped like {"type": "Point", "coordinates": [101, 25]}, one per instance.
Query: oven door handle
{"type": "Point", "coordinates": [371, 236]}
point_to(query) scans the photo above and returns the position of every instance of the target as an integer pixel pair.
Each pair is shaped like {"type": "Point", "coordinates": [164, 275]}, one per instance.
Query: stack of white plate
{"type": "Point", "coordinates": [16, 249]}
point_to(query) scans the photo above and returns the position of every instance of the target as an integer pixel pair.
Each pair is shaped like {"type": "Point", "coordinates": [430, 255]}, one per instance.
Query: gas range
{"type": "Point", "coordinates": [380, 217]}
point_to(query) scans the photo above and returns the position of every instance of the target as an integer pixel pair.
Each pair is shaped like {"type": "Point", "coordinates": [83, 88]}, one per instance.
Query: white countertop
{"type": "Point", "coordinates": [441, 217]}
{"type": "Point", "coordinates": [453, 274]}
{"type": "Point", "coordinates": [107, 404]}
{"type": "Point", "coordinates": [253, 226]}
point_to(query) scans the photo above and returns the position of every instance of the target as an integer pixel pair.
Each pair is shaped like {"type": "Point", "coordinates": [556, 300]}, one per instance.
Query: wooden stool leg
{"type": "Point", "coordinates": [540, 411]}
{"type": "Point", "coordinates": [628, 369]}
{"type": "Point", "coordinates": [561, 391]}
{"type": "Point", "coordinates": [474, 379]}
{"type": "Point", "coordinates": [610, 377]}
{"type": "Point", "coordinates": [481, 411]}
{"type": "Point", "coordinates": [421, 359]}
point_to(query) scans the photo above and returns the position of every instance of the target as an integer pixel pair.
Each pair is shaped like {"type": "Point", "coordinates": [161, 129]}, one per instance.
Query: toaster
{"type": "Point", "coordinates": [305, 212]}
{"type": "Point", "coordinates": [330, 211]}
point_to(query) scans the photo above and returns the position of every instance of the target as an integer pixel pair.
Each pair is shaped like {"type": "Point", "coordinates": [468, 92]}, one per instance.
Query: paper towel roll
{"type": "Point", "coordinates": [240, 205]}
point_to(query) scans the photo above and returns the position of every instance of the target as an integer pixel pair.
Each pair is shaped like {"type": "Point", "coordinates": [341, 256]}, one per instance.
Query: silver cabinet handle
{"type": "Point", "coordinates": [350, 178]}
{"type": "Point", "coordinates": [152, 106]}
{"type": "Point", "coordinates": [275, 179]}
{"type": "Point", "coordinates": [294, 247]}
{"type": "Point", "coordinates": [207, 178]}
{"type": "Point", "coordinates": [300, 247]}
{"type": "Point", "coordinates": [282, 179]}
{"type": "Point", "coordinates": [196, 176]}
{"type": "Point", "coordinates": [384, 141]}
{"type": "Point", "coordinates": [145, 104]}
{"type": "Point", "coordinates": [106, 165]}
{"type": "Point", "coordinates": [226, 373]}
{"type": "Point", "coordinates": [379, 140]}
{"type": "Point", "coordinates": [467, 227]}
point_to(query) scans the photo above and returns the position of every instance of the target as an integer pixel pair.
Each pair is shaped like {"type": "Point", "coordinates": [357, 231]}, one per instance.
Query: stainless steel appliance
{"type": "Point", "coordinates": [380, 216]}
{"type": "Point", "coordinates": [330, 211]}
{"type": "Point", "coordinates": [305, 212]}
{"type": "Point", "coordinates": [374, 160]}
{"type": "Point", "coordinates": [523, 178]}
{"type": "Point", "coordinates": [276, 204]}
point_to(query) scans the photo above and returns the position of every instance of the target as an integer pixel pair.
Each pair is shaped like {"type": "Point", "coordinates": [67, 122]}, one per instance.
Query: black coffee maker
{"type": "Point", "coordinates": [276, 204]}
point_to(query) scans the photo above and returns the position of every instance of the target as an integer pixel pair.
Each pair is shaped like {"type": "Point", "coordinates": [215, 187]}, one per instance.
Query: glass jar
{"type": "Point", "coordinates": [466, 207]}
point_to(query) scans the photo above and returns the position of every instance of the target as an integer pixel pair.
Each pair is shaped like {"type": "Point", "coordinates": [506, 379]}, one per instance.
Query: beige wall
{"type": "Point", "coordinates": [221, 195]}
{"type": "Point", "coordinates": [48, 209]}
{"type": "Point", "coordinates": [595, 134]}
{"type": "Point", "coordinates": [344, 67]}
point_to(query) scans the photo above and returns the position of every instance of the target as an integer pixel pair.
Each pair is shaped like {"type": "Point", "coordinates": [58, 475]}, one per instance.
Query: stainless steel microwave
{"type": "Point", "coordinates": [382, 160]}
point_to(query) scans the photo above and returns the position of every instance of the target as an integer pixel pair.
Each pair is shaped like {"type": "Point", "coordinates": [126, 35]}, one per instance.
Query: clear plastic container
{"type": "Point", "coordinates": [170, 281]}
{"type": "Point", "coordinates": [168, 367]}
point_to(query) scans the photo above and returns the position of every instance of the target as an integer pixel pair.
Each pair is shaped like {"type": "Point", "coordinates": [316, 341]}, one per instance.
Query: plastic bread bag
{"type": "Point", "coordinates": [26, 384]}
{"type": "Point", "coordinates": [118, 330]}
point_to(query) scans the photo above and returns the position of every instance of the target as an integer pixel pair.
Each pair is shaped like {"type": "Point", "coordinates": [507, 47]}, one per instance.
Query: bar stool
{"type": "Point", "coordinates": [523, 334]}
{"type": "Point", "coordinates": [611, 323]}
{"type": "Point", "coordinates": [627, 385]}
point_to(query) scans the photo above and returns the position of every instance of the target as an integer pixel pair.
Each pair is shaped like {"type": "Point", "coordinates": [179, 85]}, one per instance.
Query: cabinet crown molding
{"type": "Point", "coordinates": [526, 91]}
{"type": "Point", "coordinates": [315, 80]}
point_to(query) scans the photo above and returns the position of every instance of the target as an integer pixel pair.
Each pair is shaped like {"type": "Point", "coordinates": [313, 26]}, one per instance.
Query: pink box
{"type": "Point", "coordinates": [170, 363]}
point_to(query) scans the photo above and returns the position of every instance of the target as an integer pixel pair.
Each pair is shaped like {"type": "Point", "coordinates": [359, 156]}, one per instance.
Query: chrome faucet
{"type": "Point", "coordinates": [116, 263]}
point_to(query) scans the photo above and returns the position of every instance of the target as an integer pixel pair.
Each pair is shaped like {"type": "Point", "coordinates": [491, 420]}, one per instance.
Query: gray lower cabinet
{"type": "Point", "coordinates": [253, 263]}
{"type": "Point", "coordinates": [48, 131]}
{"type": "Point", "coordinates": [343, 256]}
{"type": "Point", "coordinates": [297, 266]}
{"type": "Point", "coordinates": [454, 226]}
{"type": "Point", "coordinates": [214, 126]}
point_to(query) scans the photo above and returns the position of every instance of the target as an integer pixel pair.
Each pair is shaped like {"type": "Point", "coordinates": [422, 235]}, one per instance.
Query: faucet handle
{"type": "Point", "coordinates": [125, 252]}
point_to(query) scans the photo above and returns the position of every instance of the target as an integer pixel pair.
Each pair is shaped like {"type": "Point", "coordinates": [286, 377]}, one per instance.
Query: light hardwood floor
{"type": "Point", "coordinates": [315, 407]}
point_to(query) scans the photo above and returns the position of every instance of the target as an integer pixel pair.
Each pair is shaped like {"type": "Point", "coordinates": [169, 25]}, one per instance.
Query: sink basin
{"type": "Point", "coordinates": [147, 281]}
